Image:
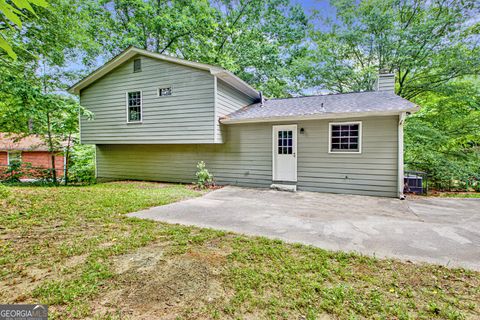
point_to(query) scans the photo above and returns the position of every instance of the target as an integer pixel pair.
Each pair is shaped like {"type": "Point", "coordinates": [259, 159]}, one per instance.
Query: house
{"type": "Point", "coordinates": [30, 150]}
{"type": "Point", "coordinates": [156, 116]}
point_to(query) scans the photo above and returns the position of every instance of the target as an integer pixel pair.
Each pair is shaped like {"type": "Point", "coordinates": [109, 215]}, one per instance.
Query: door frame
{"type": "Point", "coordinates": [293, 127]}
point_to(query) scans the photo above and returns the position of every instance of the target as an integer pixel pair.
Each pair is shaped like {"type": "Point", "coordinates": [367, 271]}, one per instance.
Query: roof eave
{"type": "Point", "coordinates": [236, 82]}
{"type": "Point", "coordinates": [323, 116]}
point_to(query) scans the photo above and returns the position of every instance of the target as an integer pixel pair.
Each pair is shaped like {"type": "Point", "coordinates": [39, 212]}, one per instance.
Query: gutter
{"type": "Point", "coordinates": [320, 116]}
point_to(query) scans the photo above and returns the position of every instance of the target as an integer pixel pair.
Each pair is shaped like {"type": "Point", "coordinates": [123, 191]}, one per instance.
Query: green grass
{"type": "Point", "coordinates": [459, 195]}
{"type": "Point", "coordinates": [63, 245]}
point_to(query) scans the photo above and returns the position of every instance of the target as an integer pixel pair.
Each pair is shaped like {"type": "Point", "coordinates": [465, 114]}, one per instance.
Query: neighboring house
{"type": "Point", "coordinates": [156, 116]}
{"type": "Point", "coordinates": [31, 150]}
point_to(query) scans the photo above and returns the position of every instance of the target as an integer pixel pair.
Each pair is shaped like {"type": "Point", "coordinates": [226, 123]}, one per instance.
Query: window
{"type": "Point", "coordinates": [134, 106]}
{"type": "Point", "coordinates": [285, 138]}
{"type": "Point", "coordinates": [137, 65]}
{"type": "Point", "coordinates": [164, 91]}
{"type": "Point", "coordinates": [345, 137]}
{"type": "Point", "coordinates": [14, 156]}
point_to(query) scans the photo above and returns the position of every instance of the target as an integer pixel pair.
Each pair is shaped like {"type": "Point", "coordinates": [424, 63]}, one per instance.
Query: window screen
{"type": "Point", "coordinates": [285, 142]}
{"type": "Point", "coordinates": [137, 65]}
{"type": "Point", "coordinates": [345, 137]}
{"type": "Point", "coordinates": [134, 106]}
{"type": "Point", "coordinates": [164, 91]}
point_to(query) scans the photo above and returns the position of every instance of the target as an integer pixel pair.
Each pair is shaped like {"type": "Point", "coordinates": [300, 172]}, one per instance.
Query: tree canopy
{"type": "Point", "coordinates": [255, 39]}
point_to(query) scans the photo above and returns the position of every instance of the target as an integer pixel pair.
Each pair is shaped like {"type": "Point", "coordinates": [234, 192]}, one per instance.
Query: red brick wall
{"type": "Point", "coordinates": [42, 159]}
{"type": "Point", "coordinates": [38, 159]}
{"type": "Point", "coordinates": [3, 158]}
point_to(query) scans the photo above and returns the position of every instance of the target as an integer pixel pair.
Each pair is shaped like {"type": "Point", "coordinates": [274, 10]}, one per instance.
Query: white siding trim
{"type": "Point", "coordinates": [402, 117]}
{"type": "Point", "coordinates": [360, 138]}
{"type": "Point", "coordinates": [141, 105]}
{"type": "Point", "coordinates": [216, 123]}
{"type": "Point", "coordinates": [274, 149]}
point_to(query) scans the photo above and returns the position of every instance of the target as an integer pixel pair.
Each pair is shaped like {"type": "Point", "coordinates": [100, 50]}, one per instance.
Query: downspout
{"type": "Point", "coordinates": [401, 121]}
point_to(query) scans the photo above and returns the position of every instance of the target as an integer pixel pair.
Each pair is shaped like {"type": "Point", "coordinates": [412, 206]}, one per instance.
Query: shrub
{"type": "Point", "coordinates": [14, 172]}
{"type": "Point", "coordinates": [204, 178]}
{"type": "Point", "coordinates": [82, 164]}
{"type": "Point", "coordinates": [4, 191]}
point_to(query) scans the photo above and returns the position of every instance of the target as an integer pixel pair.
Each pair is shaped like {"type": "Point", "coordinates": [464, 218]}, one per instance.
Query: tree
{"type": "Point", "coordinates": [443, 138]}
{"type": "Point", "coordinates": [426, 43]}
{"type": "Point", "coordinates": [31, 101]}
{"type": "Point", "coordinates": [11, 15]}
{"type": "Point", "coordinates": [255, 39]}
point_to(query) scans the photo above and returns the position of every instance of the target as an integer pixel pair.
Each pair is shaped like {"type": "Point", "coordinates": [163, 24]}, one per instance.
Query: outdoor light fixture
{"type": "Point", "coordinates": [302, 131]}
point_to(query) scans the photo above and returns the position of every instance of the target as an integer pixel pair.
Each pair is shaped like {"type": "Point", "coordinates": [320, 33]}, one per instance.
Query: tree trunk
{"type": "Point", "coordinates": [51, 149]}
{"type": "Point", "coordinates": [67, 155]}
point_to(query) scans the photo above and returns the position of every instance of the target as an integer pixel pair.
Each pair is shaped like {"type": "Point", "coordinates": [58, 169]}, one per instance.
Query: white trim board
{"type": "Point", "coordinates": [141, 106]}
{"type": "Point", "coordinates": [275, 128]}
{"type": "Point", "coordinates": [401, 120]}
{"type": "Point", "coordinates": [360, 137]}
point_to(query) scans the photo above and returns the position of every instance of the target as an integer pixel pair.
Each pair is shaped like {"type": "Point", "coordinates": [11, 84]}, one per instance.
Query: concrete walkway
{"type": "Point", "coordinates": [442, 231]}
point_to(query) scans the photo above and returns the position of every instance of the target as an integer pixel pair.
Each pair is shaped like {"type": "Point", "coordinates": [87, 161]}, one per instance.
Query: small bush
{"type": "Point", "coordinates": [204, 178]}
{"type": "Point", "coordinates": [82, 165]}
{"type": "Point", "coordinates": [14, 172]}
{"type": "Point", "coordinates": [4, 191]}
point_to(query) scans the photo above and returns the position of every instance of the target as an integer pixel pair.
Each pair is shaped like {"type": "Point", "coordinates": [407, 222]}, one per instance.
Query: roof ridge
{"type": "Point", "coordinates": [325, 95]}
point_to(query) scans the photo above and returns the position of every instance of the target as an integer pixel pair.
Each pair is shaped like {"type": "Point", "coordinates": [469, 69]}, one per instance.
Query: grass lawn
{"type": "Point", "coordinates": [459, 194]}
{"type": "Point", "coordinates": [74, 249]}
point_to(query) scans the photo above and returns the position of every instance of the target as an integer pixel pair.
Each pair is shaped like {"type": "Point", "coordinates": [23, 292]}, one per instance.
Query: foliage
{"type": "Point", "coordinates": [427, 43]}
{"type": "Point", "coordinates": [443, 138]}
{"type": "Point", "coordinates": [4, 191]}
{"type": "Point", "coordinates": [10, 17]}
{"type": "Point", "coordinates": [14, 172]}
{"type": "Point", "coordinates": [82, 164]}
{"type": "Point", "coordinates": [17, 170]}
{"type": "Point", "coordinates": [255, 39]}
{"type": "Point", "coordinates": [31, 101]}
{"type": "Point", "coordinates": [204, 178]}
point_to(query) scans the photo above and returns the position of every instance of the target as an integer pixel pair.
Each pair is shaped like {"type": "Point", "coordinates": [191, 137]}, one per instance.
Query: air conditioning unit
{"type": "Point", "coordinates": [413, 184]}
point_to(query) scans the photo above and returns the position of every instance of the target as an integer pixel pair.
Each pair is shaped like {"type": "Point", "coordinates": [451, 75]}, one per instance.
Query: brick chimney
{"type": "Point", "coordinates": [385, 82]}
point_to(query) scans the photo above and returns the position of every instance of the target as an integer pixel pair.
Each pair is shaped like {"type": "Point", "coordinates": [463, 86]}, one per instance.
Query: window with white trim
{"type": "Point", "coordinates": [345, 137]}
{"type": "Point", "coordinates": [14, 157]}
{"type": "Point", "coordinates": [167, 91]}
{"type": "Point", "coordinates": [134, 106]}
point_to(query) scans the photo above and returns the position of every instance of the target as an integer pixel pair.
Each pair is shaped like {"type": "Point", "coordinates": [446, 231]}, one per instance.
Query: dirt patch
{"type": "Point", "coordinates": [19, 287]}
{"type": "Point", "coordinates": [150, 285]}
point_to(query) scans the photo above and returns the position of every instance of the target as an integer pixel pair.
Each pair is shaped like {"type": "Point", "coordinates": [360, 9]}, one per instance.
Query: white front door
{"type": "Point", "coordinates": [285, 153]}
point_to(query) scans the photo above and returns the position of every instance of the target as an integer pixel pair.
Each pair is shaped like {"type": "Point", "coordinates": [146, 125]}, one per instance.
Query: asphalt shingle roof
{"type": "Point", "coordinates": [331, 104]}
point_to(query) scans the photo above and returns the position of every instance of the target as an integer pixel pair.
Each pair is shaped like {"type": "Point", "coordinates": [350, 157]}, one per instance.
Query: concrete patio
{"type": "Point", "coordinates": [436, 230]}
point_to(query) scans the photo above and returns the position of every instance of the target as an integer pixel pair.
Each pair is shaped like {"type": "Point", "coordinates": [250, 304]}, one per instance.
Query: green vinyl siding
{"type": "Point", "coordinates": [245, 159]}
{"type": "Point", "coordinates": [228, 100]}
{"type": "Point", "coordinates": [187, 116]}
